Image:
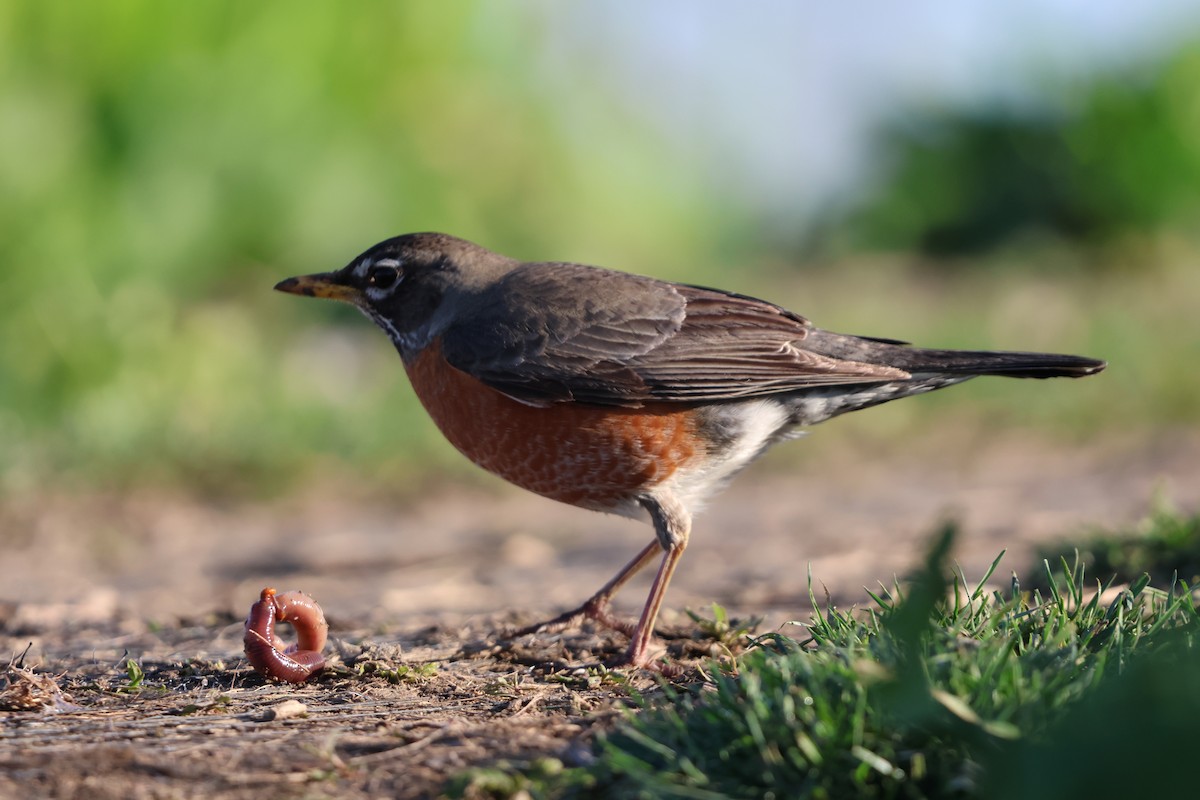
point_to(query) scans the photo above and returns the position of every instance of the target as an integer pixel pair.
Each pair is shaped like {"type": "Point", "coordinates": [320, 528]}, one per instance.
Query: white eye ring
{"type": "Point", "coordinates": [384, 274]}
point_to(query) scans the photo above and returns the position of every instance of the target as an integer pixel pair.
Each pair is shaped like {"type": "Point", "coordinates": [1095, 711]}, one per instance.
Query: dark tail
{"type": "Point", "coordinates": [953, 362]}
{"type": "Point", "coordinates": [1008, 365]}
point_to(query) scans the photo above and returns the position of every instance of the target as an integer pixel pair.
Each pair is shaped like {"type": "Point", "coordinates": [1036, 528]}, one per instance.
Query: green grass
{"type": "Point", "coordinates": [1165, 545]}
{"type": "Point", "coordinates": [985, 694]}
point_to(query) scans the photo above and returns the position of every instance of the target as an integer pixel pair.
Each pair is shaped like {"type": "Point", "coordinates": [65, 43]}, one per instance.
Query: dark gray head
{"type": "Point", "coordinates": [410, 285]}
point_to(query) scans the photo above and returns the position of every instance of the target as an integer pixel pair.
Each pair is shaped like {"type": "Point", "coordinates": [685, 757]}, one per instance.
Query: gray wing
{"type": "Point", "coordinates": [559, 332]}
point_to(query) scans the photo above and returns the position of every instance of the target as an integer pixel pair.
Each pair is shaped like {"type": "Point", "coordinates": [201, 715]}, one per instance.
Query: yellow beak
{"type": "Point", "coordinates": [324, 284]}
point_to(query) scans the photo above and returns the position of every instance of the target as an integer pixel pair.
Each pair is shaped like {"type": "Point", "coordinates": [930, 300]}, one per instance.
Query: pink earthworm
{"type": "Point", "coordinates": [268, 654]}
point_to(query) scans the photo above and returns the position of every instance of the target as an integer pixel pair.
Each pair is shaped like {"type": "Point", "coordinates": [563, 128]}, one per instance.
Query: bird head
{"type": "Point", "coordinates": [403, 284]}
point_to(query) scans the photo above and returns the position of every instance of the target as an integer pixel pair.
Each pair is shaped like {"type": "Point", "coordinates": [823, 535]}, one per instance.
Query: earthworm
{"type": "Point", "coordinates": [267, 652]}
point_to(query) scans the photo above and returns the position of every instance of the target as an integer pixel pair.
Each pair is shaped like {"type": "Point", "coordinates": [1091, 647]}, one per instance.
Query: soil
{"type": "Point", "coordinates": [422, 684]}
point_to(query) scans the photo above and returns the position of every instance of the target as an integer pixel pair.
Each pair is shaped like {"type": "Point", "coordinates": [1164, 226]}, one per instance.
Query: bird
{"type": "Point", "coordinates": [621, 393]}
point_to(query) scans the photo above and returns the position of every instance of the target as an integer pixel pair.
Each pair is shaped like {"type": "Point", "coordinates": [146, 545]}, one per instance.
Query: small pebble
{"type": "Point", "coordinates": [288, 709]}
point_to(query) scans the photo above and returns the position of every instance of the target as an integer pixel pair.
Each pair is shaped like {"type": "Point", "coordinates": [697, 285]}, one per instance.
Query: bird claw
{"type": "Point", "coordinates": [596, 609]}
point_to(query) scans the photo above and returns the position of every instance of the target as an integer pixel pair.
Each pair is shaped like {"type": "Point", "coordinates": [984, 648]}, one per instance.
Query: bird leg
{"type": "Point", "coordinates": [672, 525]}
{"type": "Point", "coordinates": [597, 606]}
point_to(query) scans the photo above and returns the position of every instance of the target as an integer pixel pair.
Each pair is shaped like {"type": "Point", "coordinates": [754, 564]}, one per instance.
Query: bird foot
{"type": "Point", "coordinates": [596, 609]}
{"type": "Point", "coordinates": [644, 661]}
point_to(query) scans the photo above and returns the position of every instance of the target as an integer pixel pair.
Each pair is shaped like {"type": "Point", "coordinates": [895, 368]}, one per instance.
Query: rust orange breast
{"type": "Point", "coordinates": [591, 456]}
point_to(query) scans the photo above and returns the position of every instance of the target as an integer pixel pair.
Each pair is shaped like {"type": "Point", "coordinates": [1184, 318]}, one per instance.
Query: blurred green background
{"type": "Point", "coordinates": [967, 184]}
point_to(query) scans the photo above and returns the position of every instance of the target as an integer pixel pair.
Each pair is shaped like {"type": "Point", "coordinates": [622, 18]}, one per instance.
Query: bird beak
{"type": "Point", "coordinates": [325, 284]}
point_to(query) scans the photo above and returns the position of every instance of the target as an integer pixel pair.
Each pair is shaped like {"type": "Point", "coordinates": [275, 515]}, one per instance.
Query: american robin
{"type": "Point", "coordinates": [622, 393]}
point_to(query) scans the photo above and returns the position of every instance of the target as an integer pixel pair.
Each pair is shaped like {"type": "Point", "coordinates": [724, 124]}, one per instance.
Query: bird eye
{"type": "Point", "coordinates": [382, 277]}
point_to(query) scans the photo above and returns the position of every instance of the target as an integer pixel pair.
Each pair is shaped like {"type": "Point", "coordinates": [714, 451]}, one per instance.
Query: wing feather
{"type": "Point", "coordinates": [550, 333]}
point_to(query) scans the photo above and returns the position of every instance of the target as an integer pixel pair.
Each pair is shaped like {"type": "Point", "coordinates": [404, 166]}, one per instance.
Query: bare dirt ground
{"type": "Point", "coordinates": [88, 583]}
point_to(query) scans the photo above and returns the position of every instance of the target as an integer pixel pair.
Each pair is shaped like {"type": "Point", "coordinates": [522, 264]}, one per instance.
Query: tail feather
{"type": "Point", "coordinates": [1005, 364]}
{"type": "Point", "coordinates": [953, 362]}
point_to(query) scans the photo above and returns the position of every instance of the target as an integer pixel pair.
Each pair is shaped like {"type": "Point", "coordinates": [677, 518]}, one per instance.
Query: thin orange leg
{"type": "Point", "coordinates": [672, 526]}
{"type": "Point", "coordinates": [597, 606]}
{"type": "Point", "coordinates": [638, 654]}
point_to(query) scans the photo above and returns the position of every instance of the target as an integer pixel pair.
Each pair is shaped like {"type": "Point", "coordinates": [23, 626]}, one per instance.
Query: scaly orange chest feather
{"type": "Point", "coordinates": [591, 456]}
